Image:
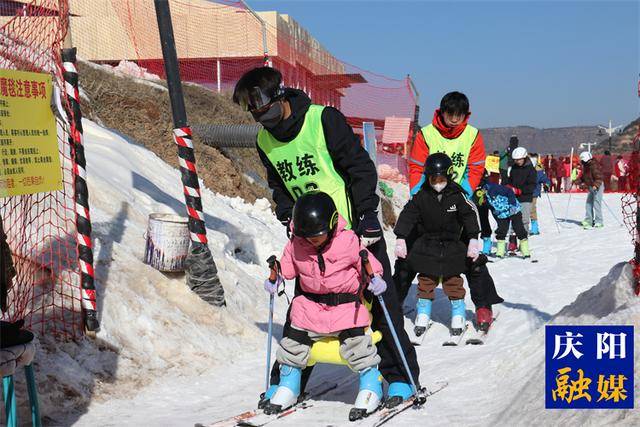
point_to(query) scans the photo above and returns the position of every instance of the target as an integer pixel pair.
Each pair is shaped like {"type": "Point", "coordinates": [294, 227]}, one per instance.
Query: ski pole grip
{"type": "Point", "coordinates": [364, 254]}
{"type": "Point", "coordinates": [273, 266]}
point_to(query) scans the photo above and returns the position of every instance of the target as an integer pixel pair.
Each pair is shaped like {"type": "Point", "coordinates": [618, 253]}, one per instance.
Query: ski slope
{"type": "Point", "coordinates": [174, 361]}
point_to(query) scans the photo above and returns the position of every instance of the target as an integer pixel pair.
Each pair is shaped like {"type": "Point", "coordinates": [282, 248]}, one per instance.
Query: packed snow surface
{"type": "Point", "coordinates": [165, 358]}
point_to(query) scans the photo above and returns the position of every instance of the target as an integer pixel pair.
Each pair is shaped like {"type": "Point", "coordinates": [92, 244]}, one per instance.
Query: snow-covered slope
{"type": "Point", "coordinates": [153, 326]}
{"type": "Point", "coordinates": [166, 358]}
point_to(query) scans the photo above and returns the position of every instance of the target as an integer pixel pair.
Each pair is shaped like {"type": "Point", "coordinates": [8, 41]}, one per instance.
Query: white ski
{"type": "Point", "coordinates": [415, 339]}
{"type": "Point", "coordinates": [480, 337]}
{"type": "Point", "coordinates": [383, 415]}
{"type": "Point", "coordinates": [455, 340]}
{"type": "Point", "coordinates": [256, 417]}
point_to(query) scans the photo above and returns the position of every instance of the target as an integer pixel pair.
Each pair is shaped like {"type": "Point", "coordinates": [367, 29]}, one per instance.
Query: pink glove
{"type": "Point", "coordinates": [272, 288]}
{"type": "Point", "coordinates": [401, 248]}
{"type": "Point", "coordinates": [377, 285]}
{"type": "Point", "coordinates": [473, 250]}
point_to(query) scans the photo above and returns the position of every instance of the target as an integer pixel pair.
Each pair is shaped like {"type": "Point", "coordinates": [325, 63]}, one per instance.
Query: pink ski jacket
{"type": "Point", "coordinates": [341, 275]}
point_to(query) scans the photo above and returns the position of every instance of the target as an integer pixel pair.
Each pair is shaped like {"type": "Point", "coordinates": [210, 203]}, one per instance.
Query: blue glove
{"type": "Point", "coordinates": [272, 288]}
{"type": "Point", "coordinates": [377, 285]}
{"type": "Point", "coordinates": [369, 228]}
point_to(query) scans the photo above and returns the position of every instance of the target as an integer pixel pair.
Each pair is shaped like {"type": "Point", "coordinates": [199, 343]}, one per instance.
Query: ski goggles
{"type": "Point", "coordinates": [255, 99]}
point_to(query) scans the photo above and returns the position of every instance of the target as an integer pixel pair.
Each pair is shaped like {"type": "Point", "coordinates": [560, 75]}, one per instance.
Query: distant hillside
{"type": "Point", "coordinates": [544, 141]}
{"type": "Point", "coordinates": [559, 140]}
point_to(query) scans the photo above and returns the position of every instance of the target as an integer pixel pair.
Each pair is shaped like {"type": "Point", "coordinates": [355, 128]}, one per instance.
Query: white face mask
{"type": "Point", "coordinates": [439, 186]}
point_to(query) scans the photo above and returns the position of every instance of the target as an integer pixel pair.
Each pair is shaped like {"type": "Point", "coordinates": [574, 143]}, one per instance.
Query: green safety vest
{"type": "Point", "coordinates": [457, 149]}
{"type": "Point", "coordinates": [305, 164]}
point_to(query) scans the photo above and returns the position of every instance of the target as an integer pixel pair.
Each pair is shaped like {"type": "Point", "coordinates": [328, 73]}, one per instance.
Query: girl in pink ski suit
{"type": "Point", "coordinates": [325, 259]}
{"type": "Point", "coordinates": [332, 272]}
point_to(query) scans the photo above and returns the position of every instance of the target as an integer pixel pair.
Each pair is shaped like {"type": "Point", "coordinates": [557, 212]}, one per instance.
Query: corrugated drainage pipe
{"type": "Point", "coordinates": [220, 136]}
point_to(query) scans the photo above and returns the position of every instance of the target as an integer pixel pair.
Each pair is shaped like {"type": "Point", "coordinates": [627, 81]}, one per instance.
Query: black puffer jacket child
{"type": "Point", "coordinates": [441, 219]}
{"type": "Point", "coordinates": [523, 178]}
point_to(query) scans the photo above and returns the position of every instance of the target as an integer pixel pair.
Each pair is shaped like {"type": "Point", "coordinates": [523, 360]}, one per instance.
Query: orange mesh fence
{"type": "Point", "coordinates": [40, 228]}
{"type": "Point", "coordinates": [630, 201]}
{"type": "Point", "coordinates": [218, 41]}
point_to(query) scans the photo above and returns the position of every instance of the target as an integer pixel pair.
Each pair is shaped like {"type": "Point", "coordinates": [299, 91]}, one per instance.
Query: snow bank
{"type": "Point", "coordinates": [132, 69]}
{"type": "Point", "coordinates": [610, 302]}
{"type": "Point", "coordinates": [129, 69]}
{"type": "Point", "coordinates": [152, 325]}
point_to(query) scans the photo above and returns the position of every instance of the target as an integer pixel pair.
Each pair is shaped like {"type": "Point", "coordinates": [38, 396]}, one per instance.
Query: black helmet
{"type": "Point", "coordinates": [438, 164]}
{"type": "Point", "coordinates": [258, 88]}
{"type": "Point", "coordinates": [314, 214]}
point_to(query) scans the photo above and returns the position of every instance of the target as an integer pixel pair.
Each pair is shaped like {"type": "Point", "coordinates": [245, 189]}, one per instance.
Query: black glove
{"type": "Point", "coordinates": [369, 228]}
{"type": "Point", "coordinates": [478, 263]}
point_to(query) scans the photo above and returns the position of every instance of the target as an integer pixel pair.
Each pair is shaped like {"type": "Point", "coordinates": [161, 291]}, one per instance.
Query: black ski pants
{"type": "Point", "coordinates": [485, 225]}
{"type": "Point", "coordinates": [516, 224]}
{"type": "Point", "coordinates": [481, 286]}
{"type": "Point", "coordinates": [391, 365]}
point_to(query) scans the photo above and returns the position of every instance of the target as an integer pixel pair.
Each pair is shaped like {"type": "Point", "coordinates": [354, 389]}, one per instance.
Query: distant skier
{"type": "Point", "coordinates": [441, 213]}
{"type": "Point", "coordinates": [606, 165]}
{"type": "Point", "coordinates": [622, 174]}
{"type": "Point", "coordinates": [542, 182]}
{"type": "Point", "coordinates": [324, 256]}
{"type": "Point", "coordinates": [522, 179]}
{"type": "Point", "coordinates": [591, 180]}
{"type": "Point", "coordinates": [508, 212]}
{"type": "Point", "coordinates": [506, 161]}
{"type": "Point", "coordinates": [483, 214]}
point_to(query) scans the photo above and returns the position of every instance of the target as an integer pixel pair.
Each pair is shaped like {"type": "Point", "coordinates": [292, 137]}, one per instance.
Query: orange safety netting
{"type": "Point", "coordinates": [40, 228]}
{"type": "Point", "coordinates": [630, 201]}
{"type": "Point", "coordinates": [218, 41]}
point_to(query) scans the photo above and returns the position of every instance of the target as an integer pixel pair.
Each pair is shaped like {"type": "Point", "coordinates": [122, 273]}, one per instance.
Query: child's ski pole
{"type": "Point", "coordinates": [552, 212]}
{"type": "Point", "coordinates": [273, 278]}
{"type": "Point", "coordinates": [611, 212]}
{"type": "Point", "coordinates": [418, 394]}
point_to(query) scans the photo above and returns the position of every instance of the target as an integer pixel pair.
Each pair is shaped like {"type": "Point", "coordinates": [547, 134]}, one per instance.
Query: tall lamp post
{"type": "Point", "coordinates": [610, 130]}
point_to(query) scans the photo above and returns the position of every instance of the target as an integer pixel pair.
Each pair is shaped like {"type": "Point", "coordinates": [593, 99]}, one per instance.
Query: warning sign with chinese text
{"type": "Point", "coordinates": [29, 159]}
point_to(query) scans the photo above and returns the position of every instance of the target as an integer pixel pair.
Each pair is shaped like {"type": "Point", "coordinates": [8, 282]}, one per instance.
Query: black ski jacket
{"type": "Point", "coordinates": [439, 250]}
{"type": "Point", "coordinates": [524, 178]}
{"type": "Point", "coordinates": [351, 161]}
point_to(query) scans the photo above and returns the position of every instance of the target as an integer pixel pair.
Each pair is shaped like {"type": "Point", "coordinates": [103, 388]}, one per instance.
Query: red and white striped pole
{"type": "Point", "coordinates": [81, 192]}
{"type": "Point", "coordinates": [183, 139]}
{"type": "Point", "coordinates": [202, 274]}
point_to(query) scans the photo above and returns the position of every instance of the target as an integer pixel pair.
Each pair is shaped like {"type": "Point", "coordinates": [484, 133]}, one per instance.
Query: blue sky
{"type": "Point", "coordinates": [537, 63]}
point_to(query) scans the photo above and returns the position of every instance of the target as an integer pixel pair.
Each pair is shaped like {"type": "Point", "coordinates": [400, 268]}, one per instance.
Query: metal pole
{"type": "Point", "coordinates": [171, 66]}
{"type": "Point", "coordinates": [218, 73]}
{"type": "Point", "coordinates": [202, 274]}
{"type": "Point", "coordinates": [612, 213]}
{"type": "Point", "coordinates": [416, 113]}
{"type": "Point", "coordinates": [67, 43]}
{"type": "Point", "coordinates": [552, 212]}
{"type": "Point", "coordinates": [397, 342]}
{"type": "Point", "coordinates": [269, 339]}
{"type": "Point", "coordinates": [571, 168]}
{"type": "Point", "coordinates": [265, 48]}
{"type": "Point", "coordinates": [83, 217]}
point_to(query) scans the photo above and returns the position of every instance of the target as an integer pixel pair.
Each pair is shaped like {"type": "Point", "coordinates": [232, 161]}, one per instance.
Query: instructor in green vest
{"type": "Point", "coordinates": [307, 147]}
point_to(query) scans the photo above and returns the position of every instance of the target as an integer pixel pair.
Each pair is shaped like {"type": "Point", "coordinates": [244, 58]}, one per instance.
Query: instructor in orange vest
{"type": "Point", "coordinates": [450, 133]}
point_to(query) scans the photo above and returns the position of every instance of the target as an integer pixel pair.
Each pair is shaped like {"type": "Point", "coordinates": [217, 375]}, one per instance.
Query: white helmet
{"type": "Point", "coordinates": [585, 156]}
{"type": "Point", "coordinates": [519, 153]}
